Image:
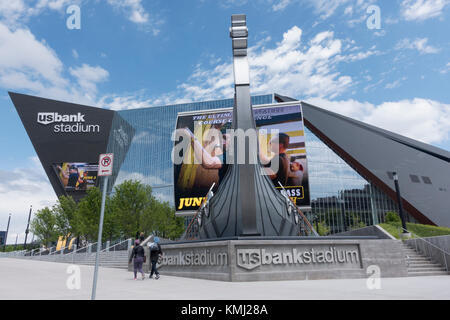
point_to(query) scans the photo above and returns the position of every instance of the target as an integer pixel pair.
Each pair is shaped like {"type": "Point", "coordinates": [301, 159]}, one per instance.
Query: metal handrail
{"type": "Point", "coordinates": [85, 247]}
{"type": "Point", "coordinates": [429, 243]}
{"type": "Point", "coordinates": [113, 246]}
{"type": "Point", "coordinates": [418, 237]}
{"type": "Point", "coordinates": [55, 252]}
{"type": "Point", "coordinates": [305, 220]}
{"type": "Point", "coordinates": [191, 224]}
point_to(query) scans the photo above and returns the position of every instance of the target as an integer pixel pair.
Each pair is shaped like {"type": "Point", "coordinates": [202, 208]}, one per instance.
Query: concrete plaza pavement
{"type": "Point", "coordinates": [31, 279]}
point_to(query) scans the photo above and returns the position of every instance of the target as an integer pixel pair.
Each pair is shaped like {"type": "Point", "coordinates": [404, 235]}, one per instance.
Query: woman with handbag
{"type": "Point", "coordinates": [138, 255]}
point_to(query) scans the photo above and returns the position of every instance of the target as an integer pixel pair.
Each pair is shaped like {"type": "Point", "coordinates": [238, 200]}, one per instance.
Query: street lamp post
{"type": "Point", "coordinates": [15, 245]}
{"type": "Point", "coordinates": [27, 229]}
{"type": "Point", "coordinates": [7, 230]}
{"type": "Point", "coordinates": [399, 200]}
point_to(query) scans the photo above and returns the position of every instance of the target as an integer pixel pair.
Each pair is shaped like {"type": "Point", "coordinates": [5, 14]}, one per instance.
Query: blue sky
{"type": "Point", "coordinates": [135, 53]}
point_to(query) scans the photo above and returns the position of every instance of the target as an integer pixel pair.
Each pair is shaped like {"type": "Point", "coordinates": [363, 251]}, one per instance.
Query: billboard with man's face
{"type": "Point", "coordinates": [77, 176]}
{"type": "Point", "coordinates": [281, 139]}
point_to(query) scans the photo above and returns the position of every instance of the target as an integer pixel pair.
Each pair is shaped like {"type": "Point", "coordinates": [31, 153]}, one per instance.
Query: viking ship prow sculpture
{"type": "Point", "coordinates": [246, 203]}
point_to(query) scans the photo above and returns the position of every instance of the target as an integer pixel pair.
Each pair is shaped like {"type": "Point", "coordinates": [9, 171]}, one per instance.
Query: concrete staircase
{"type": "Point", "coordinates": [421, 265]}
{"type": "Point", "coordinates": [111, 259]}
{"type": "Point", "coordinates": [117, 259]}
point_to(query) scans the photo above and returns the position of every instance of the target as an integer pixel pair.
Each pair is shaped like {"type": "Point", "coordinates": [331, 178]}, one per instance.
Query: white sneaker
{"type": "Point", "coordinates": [157, 277]}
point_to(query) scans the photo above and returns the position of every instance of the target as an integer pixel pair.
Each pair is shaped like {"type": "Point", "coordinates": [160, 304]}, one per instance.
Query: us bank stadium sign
{"type": "Point", "coordinates": [253, 258]}
{"type": "Point", "coordinates": [250, 259]}
{"type": "Point", "coordinates": [67, 123]}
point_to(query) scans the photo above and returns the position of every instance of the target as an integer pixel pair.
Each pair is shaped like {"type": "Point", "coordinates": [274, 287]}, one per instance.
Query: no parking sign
{"type": "Point", "coordinates": [105, 164]}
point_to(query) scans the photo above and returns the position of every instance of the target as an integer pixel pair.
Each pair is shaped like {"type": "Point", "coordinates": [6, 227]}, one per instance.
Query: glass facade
{"type": "Point", "coordinates": [149, 154]}
{"type": "Point", "coordinates": [341, 199]}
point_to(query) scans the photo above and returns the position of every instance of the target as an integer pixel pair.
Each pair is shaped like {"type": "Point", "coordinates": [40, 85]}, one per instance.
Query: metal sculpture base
{"type": "Point", "coordinates": [256, 259]}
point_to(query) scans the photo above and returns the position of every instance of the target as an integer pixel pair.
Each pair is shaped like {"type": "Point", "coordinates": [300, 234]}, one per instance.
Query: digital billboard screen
{"type": "Point", "coordinates": [77, 176]}
{"type": "Point", "coordinates": [193, 179]}
{"type": "Point", "coordinates": [2, 237]}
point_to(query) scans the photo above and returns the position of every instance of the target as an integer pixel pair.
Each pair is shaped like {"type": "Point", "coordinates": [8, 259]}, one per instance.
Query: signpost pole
{"type": "Point", "coordinates": [99, 241]}
{"type": "Point", "coordinates": [105, 169]}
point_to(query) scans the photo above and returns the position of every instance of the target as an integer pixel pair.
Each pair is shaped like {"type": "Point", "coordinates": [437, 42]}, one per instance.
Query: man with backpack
{"type": "Point", "coordinates": [155, 252]}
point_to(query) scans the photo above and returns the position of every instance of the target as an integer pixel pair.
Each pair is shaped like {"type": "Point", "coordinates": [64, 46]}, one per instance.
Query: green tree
{"type": "Point", "coordinates": [130, 202]}
{"type": "Point", "coordinates": [65, 215]}
{"type": "Point", "coordinates": [87, 217]}
{"type": "Point", "coordinates": [88, 214]}
{"type": "Point", "coordinates": [43, 226]}
{"type": "Point", "coordinates": [161, 221]}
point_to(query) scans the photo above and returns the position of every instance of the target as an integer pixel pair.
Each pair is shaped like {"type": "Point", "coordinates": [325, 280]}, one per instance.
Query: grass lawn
{"type": "Point", "coordinates": [421, 230]}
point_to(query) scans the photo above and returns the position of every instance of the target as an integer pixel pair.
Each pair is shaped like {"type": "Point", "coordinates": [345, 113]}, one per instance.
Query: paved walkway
{"type": "Point", "coordinates": [24, 279]}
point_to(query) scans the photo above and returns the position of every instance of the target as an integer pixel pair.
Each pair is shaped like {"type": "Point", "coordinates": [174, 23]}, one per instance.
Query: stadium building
{"type": "Point", "coordinates": [350, 163]}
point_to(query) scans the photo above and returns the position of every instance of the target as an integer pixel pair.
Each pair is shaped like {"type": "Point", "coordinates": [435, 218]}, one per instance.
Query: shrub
{"type": "Point", "coordinates": [322, 229]}
{"type": "Point", "coordinates": [392, 217]}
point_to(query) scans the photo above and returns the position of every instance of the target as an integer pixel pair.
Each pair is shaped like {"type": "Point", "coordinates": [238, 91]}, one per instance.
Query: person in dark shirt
{"type": "Point", "coordinates": [74, 177]}
{"type": "Point", "coordinates": [278, 145]}
{"type": "Point", "coordinates": [138, 255]}
{"type": "Point", "coordinates": [155, 252]}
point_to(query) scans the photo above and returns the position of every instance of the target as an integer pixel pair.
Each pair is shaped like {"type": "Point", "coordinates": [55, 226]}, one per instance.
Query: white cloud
{"type": "Point", "coordinates": [75, 54]}
{"type": "Point", "coordinates": [445, 69]}
{"type": "Point", "coordinates": [42, 72]}
{"type": "Point", "coordinates": [20, 188]}
{"type": "Point", "coordinates": [394, 84]}
{"type": "Point", "coordinates": [136, 13]}
{"type": "Point", "coordinates": [138, 100]}
{"type": "Point", "coordinates": [281, 5]}
{"type": "Point", "coordinates": [309, 71]}
{"type": "Point", "coordinates": [417, 44]}
{"type": "Point", "coordinates": [15, 57]}
{"type": "Point", "coordinates": [11, 11]}
{"type": "Point", "coordinates": [134, 9]}
{"type": "Point", "coordinates": [88, 77]}
{"type": "Point", "coordinates": [421, 119]}
{"type": "Point", "coordinates": [422, 9]}
{"type": "Point", "coordinates": [15, 12]}
{"type": "Point", "coordinates": [289, 67]}
{"type": "Point", "coordinates": [327, 8]}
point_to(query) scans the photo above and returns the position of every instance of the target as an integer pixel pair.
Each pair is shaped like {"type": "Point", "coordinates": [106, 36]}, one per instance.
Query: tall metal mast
{"type": "Point", "coordinates": [246, 202]}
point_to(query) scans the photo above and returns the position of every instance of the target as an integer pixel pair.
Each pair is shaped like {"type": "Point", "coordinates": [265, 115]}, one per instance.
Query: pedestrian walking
{"type": "Point", "coordinates": [138, 256]}
{"type": "Point", "coordinates": [155, 253]}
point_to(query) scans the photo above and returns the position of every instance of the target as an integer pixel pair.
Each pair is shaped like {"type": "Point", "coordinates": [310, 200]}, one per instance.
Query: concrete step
{"type": "Point", "coordinates": [415, 255]}
{"type": "Point", "coordinates": [421, 258]}
{"type": "Point", "coordinates": [424, 269]}
{"type": "Point", "coordinates": [410, 252]}
{"type": "Point", "coordinates": [427, 273]}
{"type": "Point", "coordinates": [424, 265]}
